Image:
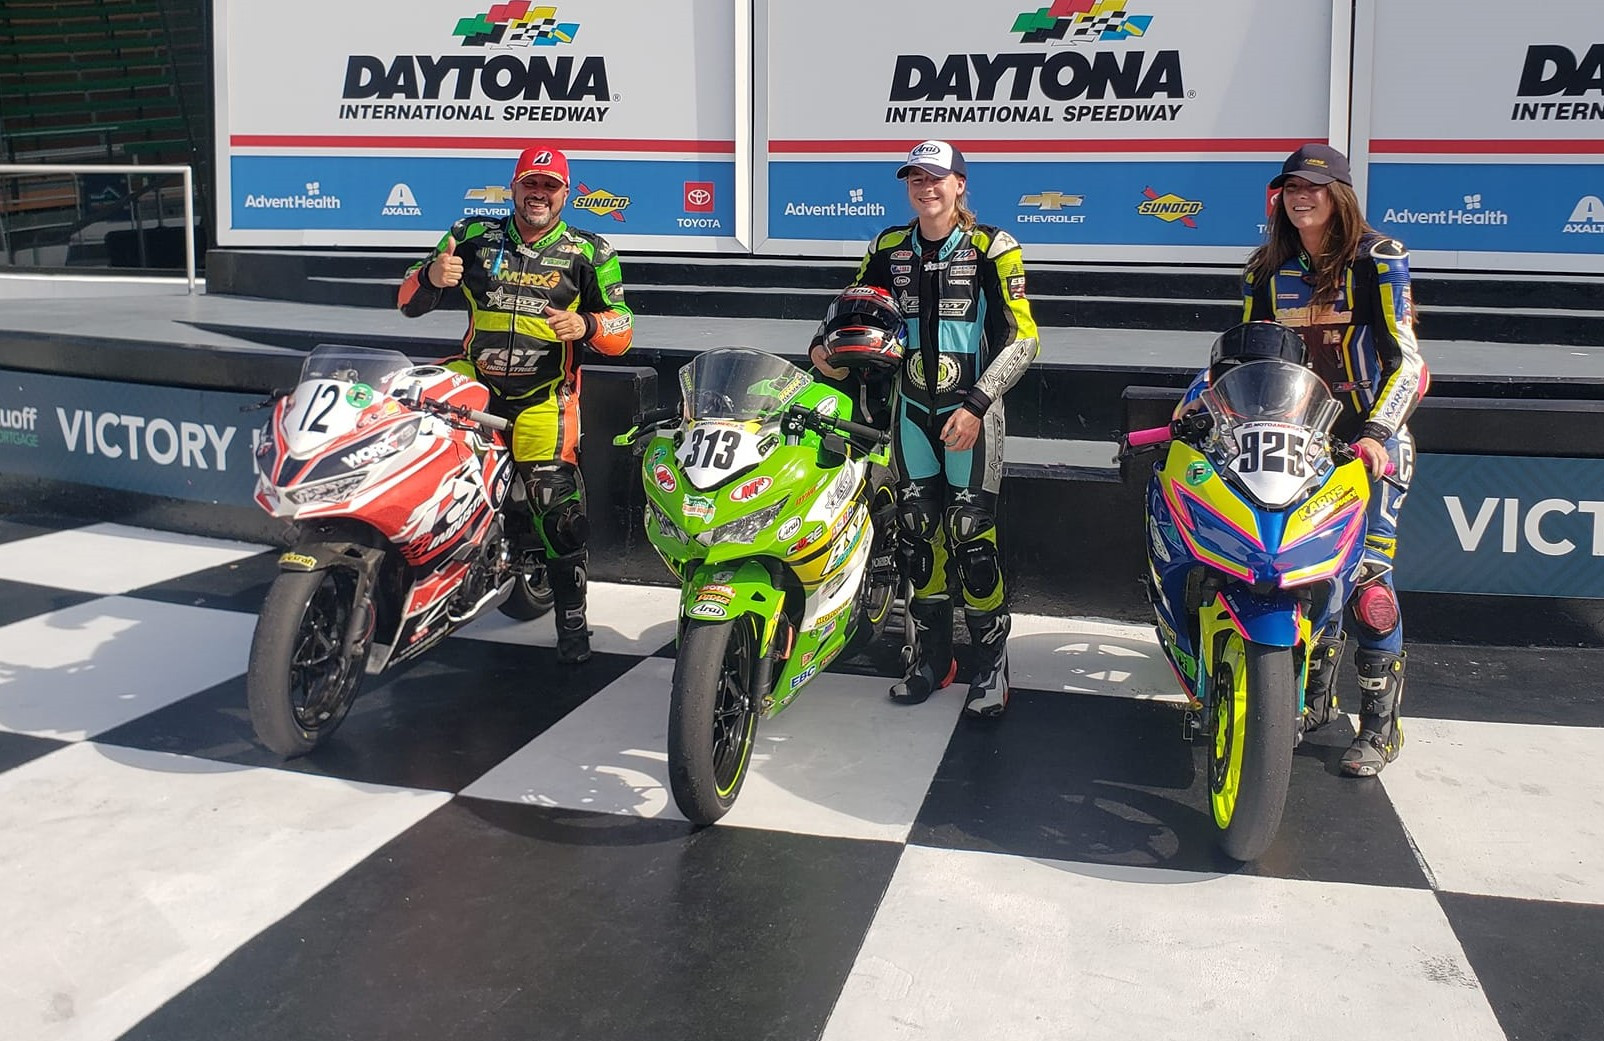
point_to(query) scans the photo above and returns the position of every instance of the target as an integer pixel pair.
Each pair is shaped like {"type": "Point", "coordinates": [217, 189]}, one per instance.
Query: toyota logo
{"type": "Point", "coordinates": [698, 196]}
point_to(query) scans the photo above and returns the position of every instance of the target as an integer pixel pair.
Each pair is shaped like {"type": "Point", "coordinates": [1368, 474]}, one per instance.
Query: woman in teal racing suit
{"type": "Point", "coordinates": [1325, 272]}
{"type": "Point", "coordinates": [961, 287]}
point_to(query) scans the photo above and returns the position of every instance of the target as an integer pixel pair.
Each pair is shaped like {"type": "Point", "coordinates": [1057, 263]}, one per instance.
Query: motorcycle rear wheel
{"type": "Point", "coordinates": [1250, 753]}
{"type": "Point", "coordinates": [711, 720]}
{"type": "Point", "coordinates": [297, 684]}
{"type": "Point", "coordinates": [531, 596]}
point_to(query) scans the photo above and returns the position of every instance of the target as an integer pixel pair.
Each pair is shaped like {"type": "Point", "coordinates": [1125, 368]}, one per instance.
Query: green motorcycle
{"type": "Point", "coordinates": [776, 513]}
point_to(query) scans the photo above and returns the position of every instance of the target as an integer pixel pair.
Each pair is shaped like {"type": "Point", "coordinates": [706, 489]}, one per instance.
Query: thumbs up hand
{"type": "Point", "coordinates": [446, 269]}
{"type": "Point", "coordinates": [565, 325]}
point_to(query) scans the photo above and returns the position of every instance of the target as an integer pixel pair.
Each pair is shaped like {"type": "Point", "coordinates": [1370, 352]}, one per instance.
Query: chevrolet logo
{"type": "Point", "coordinates": [1051, 200]}
{"type": "Point", "coordinates": [490, 193]}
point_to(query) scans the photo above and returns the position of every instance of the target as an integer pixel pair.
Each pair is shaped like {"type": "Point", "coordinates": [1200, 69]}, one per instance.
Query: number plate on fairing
{"type": "Point", "coordinates": [1273, 460]}
{"type": "Point", "coordinates": [715, 450]}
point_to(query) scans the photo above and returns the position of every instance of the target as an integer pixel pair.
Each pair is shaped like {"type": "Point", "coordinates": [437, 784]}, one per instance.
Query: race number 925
{"type": "Point", "coordinates": [1272, 451]}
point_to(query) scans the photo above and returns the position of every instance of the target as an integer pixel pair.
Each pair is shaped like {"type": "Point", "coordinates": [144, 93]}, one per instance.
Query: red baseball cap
{"type": "Point", "coordinates": [542, 160]}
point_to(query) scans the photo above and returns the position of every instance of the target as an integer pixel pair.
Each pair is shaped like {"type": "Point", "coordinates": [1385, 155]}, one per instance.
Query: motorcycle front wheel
{"type": "Point", "coordinates": [711, 719]}
{"type": "Point", "coordinates": [299, 684]}
{"type": "Point", "coordinates": [1250, 755]}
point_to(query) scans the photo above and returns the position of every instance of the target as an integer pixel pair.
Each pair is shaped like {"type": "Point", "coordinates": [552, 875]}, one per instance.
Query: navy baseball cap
{"type": "Point", "coordinates": [1317, 164]}
{"type": "Point", "coordinates": [937, 158]}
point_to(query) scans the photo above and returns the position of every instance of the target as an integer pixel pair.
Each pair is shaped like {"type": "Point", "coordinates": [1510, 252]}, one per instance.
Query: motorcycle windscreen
{"type": "Point", "coordinates": [338, 385]}
{"type": "Point", "coordinates": [1271, 420]}
{"type": "Point", "coordinates": [739, 383]}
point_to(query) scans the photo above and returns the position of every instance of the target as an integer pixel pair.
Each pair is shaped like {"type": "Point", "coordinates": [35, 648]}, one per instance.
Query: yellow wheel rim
{"type": "Point", "coordinates": [1230, 730]}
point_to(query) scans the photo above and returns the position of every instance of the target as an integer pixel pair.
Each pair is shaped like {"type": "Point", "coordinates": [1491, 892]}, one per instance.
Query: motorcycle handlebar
{"type": "Point", "coordinates": [658, 415]}
{"type": "Point", "coordinates": [1153, 436]}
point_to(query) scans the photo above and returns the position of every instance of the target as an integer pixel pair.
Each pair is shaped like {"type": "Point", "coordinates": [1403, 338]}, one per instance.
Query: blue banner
{"type": "Point", "coordinates": [691, 198]}
{"type": "Point", "coordinates": [1060, 202]}
{"type": "Point", "coordinates": [181, 444]}
{"type": "Point", "coordinates": [1490, 207]}
{"type": "Point", "coordinates": [1504, 524]}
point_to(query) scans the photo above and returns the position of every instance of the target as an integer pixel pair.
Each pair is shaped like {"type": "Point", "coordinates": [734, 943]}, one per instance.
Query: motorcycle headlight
{"type": "Point", "coordinates": [665, 524]}
{"type": "Point", "coordinates": [328, 491]}
{"type": "Point", "coordinates": [744, 529]}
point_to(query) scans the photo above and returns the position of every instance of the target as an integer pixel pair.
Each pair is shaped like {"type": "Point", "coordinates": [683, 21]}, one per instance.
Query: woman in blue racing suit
{"type": "Point", "coordinates": [1325, 272]}
{"type": "Point", "coordinates": [961, 287]}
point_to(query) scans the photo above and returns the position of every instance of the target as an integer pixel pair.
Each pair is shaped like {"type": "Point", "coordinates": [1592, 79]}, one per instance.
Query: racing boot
{"type": "Point", "coordinates": [1320, 693]}
{"type": "Point", "coordinates": [567, 576]}
{"type": "Point", "coordinates": [928, 653]}
{"type": "Point", "coordinates": [1381, 681]}
{"type": "Point", "coordinates": [988, 636]}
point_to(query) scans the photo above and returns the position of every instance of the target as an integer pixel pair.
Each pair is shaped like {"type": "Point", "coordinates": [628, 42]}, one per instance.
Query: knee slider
{"type": "Point", "coordinates": [974, 536]}
{"type": "Point", "coordinates": [1375, 606]}
{"type": "Point", "coordinates": [918, 520]}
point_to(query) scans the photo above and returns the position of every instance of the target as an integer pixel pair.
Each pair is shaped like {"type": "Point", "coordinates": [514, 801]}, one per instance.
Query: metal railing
{"type": "Point", "coordinates": [12, 169]}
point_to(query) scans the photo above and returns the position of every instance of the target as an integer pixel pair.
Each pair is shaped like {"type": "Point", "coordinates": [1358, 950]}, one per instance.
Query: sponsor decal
{"type": "Point", "coordinates": [311, 199]}
{"type": "Point", "coordinates": [1169, 208]}
{"type": "Point", "coordinates": [953, 307]}
{"type": "Point", "coordinates": [947, 373]}
{"type": "Point", "coordinates": [17, 426]}
{"type": "Point", "coordinates": [902, 254]}
{"type": "Point", "coordinates": [659, 454]}
{"type": "Point", "coordinates": [968, 253]}
{"type": "Point", "coordinates": [1553, 69]}
{"type": "Point", "coordinates": [1326, 503]}
{"type": "Point", "coordinates": [962, 270]}
{"type": "Point", "coordinates": [401, 203]}
{"type": "Point", "coordinates": [827, 407]}
{"type": "Point", "coordinates": [788, 529]}
{"type": "Point", "coordinates": [1156, 541]}
{"type": "Point", "coordinates": [1050, 206]}
{"type": "Point", "coordinates": [1198, 471]}
{"type": "Point", "coordinates": [697, 507]}
{"type": "Point", "coordinates": [901, 269]}
{"type": "Point", "coordinates": [751, 489]}
{"type": "Point", "coordinates": [853, 207]}
{"type": "Point", "coordinates": [807, 540]}
{"type": "Point", "coordinates": [1016, 287]}
{"type": "Point", "coordinates": [716, 591]}
{"type": "Point", "coordinates": [708, 609]}
{"type": "Point", "coordinates": [1587, 218]}
{"type": "Point", "coordinates": [664, 477]}
{"type": "Point", "coordinates": [562, 262]}
{"type": "Point", "coordinates": [803, 676]}
{"type": "Point", "coordinates": [698, 196]}
{"type": "Point", "coordinates": [359, 395]}
{"type": "Point", "coordinates": [901, 280]}
{"type": "Point", "coordinates": [298, 561]}
{"type": "Point", "coordinates": [1472, 212]}
{"type": "Point", "coordinates": [600, 201]}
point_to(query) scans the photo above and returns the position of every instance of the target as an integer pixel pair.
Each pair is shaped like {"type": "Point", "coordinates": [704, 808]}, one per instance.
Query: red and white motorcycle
{"type": "Point", "coordinates": [409, 523]}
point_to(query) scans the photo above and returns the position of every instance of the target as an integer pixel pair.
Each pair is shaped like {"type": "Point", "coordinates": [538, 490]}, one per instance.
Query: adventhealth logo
{"type": "Point", "coordinates": [853, 207]}
{"type": "Point", "coordinates": [1470, 213]}
{"type": "Point", "coordinates": [312, 199]}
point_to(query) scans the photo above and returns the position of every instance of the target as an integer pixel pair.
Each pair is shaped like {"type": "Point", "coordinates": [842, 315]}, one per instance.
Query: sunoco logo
{"type": "Point", "coordinates": [515, 25]}
{"type": "Point", "coordinates": [1027, 83]}
{"type": "Point", "coordinates": [1169, 208]}
{"type": "Point", "coordinates": [1552, 69]}
{"type": "Point", "coordinates": [601, 201]}
{"type": "Point", "coordinates": [1587, 218]}
{"type": "Point", "coordinates": [1080, 21]}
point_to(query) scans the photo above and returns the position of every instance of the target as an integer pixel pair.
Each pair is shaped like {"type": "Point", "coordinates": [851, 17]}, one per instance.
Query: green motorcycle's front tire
{"type": "Point", "coordinates": [711, 720]}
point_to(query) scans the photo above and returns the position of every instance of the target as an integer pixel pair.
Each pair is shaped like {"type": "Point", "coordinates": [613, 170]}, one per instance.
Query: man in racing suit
{"type": "Point", "coordinates": [961, 286]}
{"type": "Point", "coordinates": [538, 291]}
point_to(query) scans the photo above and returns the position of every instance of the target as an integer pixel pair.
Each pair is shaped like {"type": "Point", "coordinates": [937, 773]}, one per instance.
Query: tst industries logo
{"type": "Point", "coordinates": [516, 24]}
{"type": "Point", "coordinates": [1080, 21]}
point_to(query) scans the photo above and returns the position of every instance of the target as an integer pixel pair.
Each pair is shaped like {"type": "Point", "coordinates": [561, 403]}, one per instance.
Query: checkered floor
{"type": "Point", "coordinates": [487, 849]}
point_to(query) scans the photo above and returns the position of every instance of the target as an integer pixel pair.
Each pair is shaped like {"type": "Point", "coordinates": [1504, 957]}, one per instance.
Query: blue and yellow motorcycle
{"type": "Point", "coordinates": [1255, 529]}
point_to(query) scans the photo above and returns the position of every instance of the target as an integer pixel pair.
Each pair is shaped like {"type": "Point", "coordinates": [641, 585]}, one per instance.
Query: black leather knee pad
{"type": "Point", "coordinates": [974, 539]}
{"type": "Point", "coordinates": [556, 495]}
{"type": "Point", "coordinates": [919, 521]}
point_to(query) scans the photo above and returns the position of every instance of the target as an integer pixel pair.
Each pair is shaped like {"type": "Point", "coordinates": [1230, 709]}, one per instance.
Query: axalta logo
{"type": "Point", "coordinates": [493, 200]}
{"type": "Point", "coordinates": [1169, 207]}
{"type": "Point", "coordinates": [312, 199]}
{"type": "Point", "coordinates": [600, 201]}
{"type": "Point", "coordinates": [1553, 69]}
{"type": "Point", "coordinates": [17, 426]}
{"type": "Point", "coordinates": [1471, 212]}
{"type": "Point", "coordinates": [853, 207]}
{"type": "Point", "coordinates": [401, 203]}
{"type": "Point", "coordinates": [1080, 21]}
{"type": "Point", "coordinates": [1050, 206]}
{"type": "Point", "coordinates": [1587, 218]}
{"type": "Point", "coordinates": [520, 24]}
